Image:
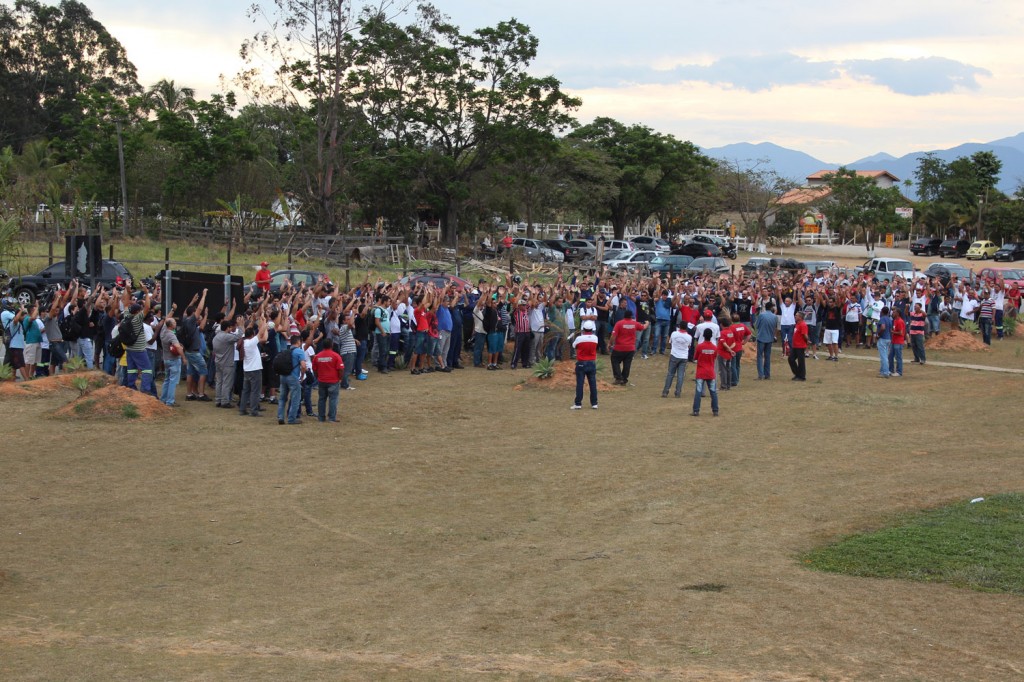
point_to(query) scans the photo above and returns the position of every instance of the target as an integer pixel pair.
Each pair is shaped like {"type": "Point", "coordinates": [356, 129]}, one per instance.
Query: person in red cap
{"type": "Point", "coordinates": [263, 276]}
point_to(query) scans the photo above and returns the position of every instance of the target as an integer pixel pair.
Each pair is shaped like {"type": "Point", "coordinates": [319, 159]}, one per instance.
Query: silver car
{"type": "Point", "coordinates": [536, 250]}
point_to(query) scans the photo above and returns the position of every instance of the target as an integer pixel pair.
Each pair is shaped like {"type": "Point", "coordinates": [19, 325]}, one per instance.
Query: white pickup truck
{"type": "Point", "coordinates": [887, 268]}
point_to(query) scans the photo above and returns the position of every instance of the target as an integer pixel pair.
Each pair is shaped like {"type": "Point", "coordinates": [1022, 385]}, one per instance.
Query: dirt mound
{"type": "Point", "coordinates": [565, 379]}
{"type": "Point", "coordinates": [115, 402]}
{"type": "Point", "coordinates": [45, 386]}
{"type": "Point", "coordinates": [956, 341]}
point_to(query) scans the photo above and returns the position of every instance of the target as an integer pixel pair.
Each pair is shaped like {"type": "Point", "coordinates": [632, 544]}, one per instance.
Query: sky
{"type": "Point", "coordinates": [837, 80]}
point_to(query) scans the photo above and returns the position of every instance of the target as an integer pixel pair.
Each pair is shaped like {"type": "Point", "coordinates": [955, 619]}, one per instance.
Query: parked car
{"type": "Point", "coordinates": [813, 266]}
{"type": "Point", "coordinates": [620, 244]}
{"type": "Point", "coordinates": [785, 264]}
{"type": "Point", "coordinates": [697, 250]}
{"type": "Point", "coordinates": [981, 250]}
{"type": "Point", "coordinates": [632, 261]}
{"type": "Point", "coordinates": [669, 263]}
{"type": "Point", "coordinates": [568, 251]}
{"type": "Point", "coordinates": [757, 263]}
{"type": "Point", "coordinates": [887, 268]}
{"type": "Point", "coordinates": [296, 277]}
{"type": "Point", "coordinates": [726, 246]}
{"type": "Point", "coordinates": [715, 264]}
{"type": "Point", "coordinates": [645, 243]}
{"type": "Point", "coordinates": [954, 248]}
{"type": "Point", "coordinates": [1009, 275]}
{"type": "Point", "coordinates": [1010, 251]}
{"type": "Point", "coordinates": [925, 246]}
{"type": "Point", "coordinates": [537, 250]}
{"type": "Point", "coordinates": [28, 288]}
{"type": "Point", "coordinates": [584, 248]}
{"type": "Point", "coordinates": [946, 271]}
{"type": "Point", "coordinates": [438, 279]}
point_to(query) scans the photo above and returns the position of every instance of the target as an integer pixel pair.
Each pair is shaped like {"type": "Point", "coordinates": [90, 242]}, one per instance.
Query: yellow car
{"type": "Point", "coordinates": [981, 250]}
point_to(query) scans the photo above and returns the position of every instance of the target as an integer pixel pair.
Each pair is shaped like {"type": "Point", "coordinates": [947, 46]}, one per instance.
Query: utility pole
{"type": "Point", "coordinates": [124, 185]}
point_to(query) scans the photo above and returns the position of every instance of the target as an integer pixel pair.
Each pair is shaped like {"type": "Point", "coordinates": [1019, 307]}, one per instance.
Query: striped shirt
{"type": "Point", "coordinates": [917, 323]}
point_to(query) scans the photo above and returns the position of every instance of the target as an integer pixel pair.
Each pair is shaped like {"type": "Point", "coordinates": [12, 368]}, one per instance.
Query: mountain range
{"type": "Point", "coordinates": [796, 165]}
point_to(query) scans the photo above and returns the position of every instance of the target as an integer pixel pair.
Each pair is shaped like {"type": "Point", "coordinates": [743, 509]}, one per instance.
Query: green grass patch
{"type": "Point", "coordinates": [129, 411]}
{"type": "Point", "coordinates": [980, 546]}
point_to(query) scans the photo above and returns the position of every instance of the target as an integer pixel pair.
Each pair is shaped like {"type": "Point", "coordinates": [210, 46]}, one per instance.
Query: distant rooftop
{"type": "Point", "coordinates": [820, 175]}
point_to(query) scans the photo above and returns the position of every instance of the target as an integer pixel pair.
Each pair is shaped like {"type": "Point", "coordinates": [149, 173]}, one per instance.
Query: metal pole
{"type": "Point", "coordinates": [124, 184]}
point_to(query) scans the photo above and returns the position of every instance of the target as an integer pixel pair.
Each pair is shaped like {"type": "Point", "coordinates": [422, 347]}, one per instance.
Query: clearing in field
{"type": "Point", "coordinates": [454, 527]}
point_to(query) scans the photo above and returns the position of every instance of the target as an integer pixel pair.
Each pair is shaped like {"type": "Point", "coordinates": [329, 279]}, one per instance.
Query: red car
{"type": "Point", "coordinates": [1009, 275]}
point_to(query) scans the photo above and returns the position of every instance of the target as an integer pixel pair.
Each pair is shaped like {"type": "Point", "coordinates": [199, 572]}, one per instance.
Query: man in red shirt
{"type": "Point", "coordinates": [624, 346]}
{"type": "Point", "coordinates": [741, 332]}
{"type": "Point", "coordinates": [726, 352]}
{"type": "Point", "coordinates": [263, 277]}
{"type": "Point", "coordinates": [328, 369]}
{"type": "Point", "coordinates": [798, 351]}
{"type": "Point", "coordinates": [705, 356]}
{"type": "Point", "coordinates": [586, 363]}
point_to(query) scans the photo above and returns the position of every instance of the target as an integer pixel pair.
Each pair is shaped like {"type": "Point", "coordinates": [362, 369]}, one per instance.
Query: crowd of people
{"type": "Point", "coordinates": [281, 347]}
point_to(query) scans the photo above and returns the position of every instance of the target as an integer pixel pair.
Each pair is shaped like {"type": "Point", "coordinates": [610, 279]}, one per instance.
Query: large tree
{"type": "Point", "coordinates": [651, 168]}
{"type": "Point", "coordinates": [463, 99]}
{"type": "Point", "coordinates": [750, 189]}
{"type": "Point", "coordinates": [857, 202]}
{"type": "Point", "coordinates": [49, 56]}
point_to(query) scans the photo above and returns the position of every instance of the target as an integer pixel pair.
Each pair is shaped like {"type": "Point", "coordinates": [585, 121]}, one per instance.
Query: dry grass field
{"type": "Point", "coordinates": [453, 527]}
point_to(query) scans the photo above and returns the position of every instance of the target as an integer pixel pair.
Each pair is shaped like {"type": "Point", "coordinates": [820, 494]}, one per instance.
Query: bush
{"type": "Point", "coordinates": [6, 372]}
{"type": "Point", "coordinates": [544, 369]}
{"type": "Point", "coordinates": [75, 364]}
{"type": "Point", "coordinates": [970, 326]}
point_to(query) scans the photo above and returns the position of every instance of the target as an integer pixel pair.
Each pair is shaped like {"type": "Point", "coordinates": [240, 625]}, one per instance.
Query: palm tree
{"type": "Point", "coordinates": [164, 95]}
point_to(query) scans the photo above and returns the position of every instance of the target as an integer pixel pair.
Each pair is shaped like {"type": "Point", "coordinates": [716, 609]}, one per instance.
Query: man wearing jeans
{"type": "Point", "coordinates": [173, 357]}
{"type": "Point", "coordinates": [662, 316]}
{"type": "Point", "coordinates": [291, 391]}
{"type": "Point", "coordinates": [705, 356]}
{"type": "Point", "coordinates": [884, 343]}
{"type": "Point", "coordinates": [679, 352]}
{"type": "Point", "coordinates": [138, 359]}
{"type": "Point", "coordinates": [586, 364]}
{"type": "Point", "coordinates": [764, 329]}
{"type": "Point", "coordinates": [328, 368]}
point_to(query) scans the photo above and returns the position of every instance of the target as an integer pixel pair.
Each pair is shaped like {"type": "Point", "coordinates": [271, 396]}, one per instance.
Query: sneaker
{"type": "Point", "coordinates": [897, 374]}
{"type": "Point", "coordinates": [203, 398]}
{"type": "Point", "coordinates": [350, 388]}
{"type": "Point", "coordinates": [695, 414]}
{"type": "Point", "coordinates": [576, 407]}
{"type": "Point", "coordinates": [273, 401]}
{"type": "Point", "coordinates": [280, 422]}
{"type": "Point", "coordinates": [190, 396]}
{"type": "Point", "coordinates": [644, 356]}
{"type": "Point", "coordinates": [815, 356]}
{"type": "Point", "coordinates": [664, 394]}
{"type": "Point", "coordinates": [361, 377]}
{"type": "Point", "coordinates": [714, 414]}
{"type": "Point", "coordinates": [593, 407]}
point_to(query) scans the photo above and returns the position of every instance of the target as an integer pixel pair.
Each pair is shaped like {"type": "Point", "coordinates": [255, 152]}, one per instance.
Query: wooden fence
{"type": "Point", "coordinates": [329, 247]}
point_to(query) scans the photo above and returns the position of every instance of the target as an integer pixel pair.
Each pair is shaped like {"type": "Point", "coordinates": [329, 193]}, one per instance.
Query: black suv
{"type": "Point", "coordinates": [28, 288]}
{"type": "Point", "coordinates": [925, 246]}
{"type": "Point", "coordinates": [954, 248]}
{"type": "Point", "coordinates": [570, 252]}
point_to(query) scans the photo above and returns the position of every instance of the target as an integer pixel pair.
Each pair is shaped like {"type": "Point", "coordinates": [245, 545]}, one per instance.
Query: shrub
{"type": "Point", "coordinates": [75, 364]}
{"type": "Point", "coordinates": [129, 411]}
{"type": "Point", "coordinates": [970, 326]}
{"type": "Point", "coordinates": [81, 384]}
{"type": "Point", "coordinates": [544, 369]}
{"type": "Point", "coordinates": [6, 372]}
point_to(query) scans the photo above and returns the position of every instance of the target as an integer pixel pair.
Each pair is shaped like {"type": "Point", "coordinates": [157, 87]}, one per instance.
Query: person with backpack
{"type": "Point", "coordinates": [290, 365]}
{"type": "Point", "coordinates": [133, 337]}
{"type": "Point", "coordinates": [12, 320]}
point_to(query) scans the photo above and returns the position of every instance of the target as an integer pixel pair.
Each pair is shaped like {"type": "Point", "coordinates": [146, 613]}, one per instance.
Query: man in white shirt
{"type": "Point", "coordinates": [679, 351]}
{"type": "Point", "coordinates": [252, 370]}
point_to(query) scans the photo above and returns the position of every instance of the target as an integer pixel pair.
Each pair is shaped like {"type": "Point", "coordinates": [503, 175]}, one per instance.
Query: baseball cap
{"type": "Point", "coordinates": [264, 264]}
{"type": "Point", "coordinates": [589, 326]}
{"type": "Point", "coordinates": [707, 313]}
